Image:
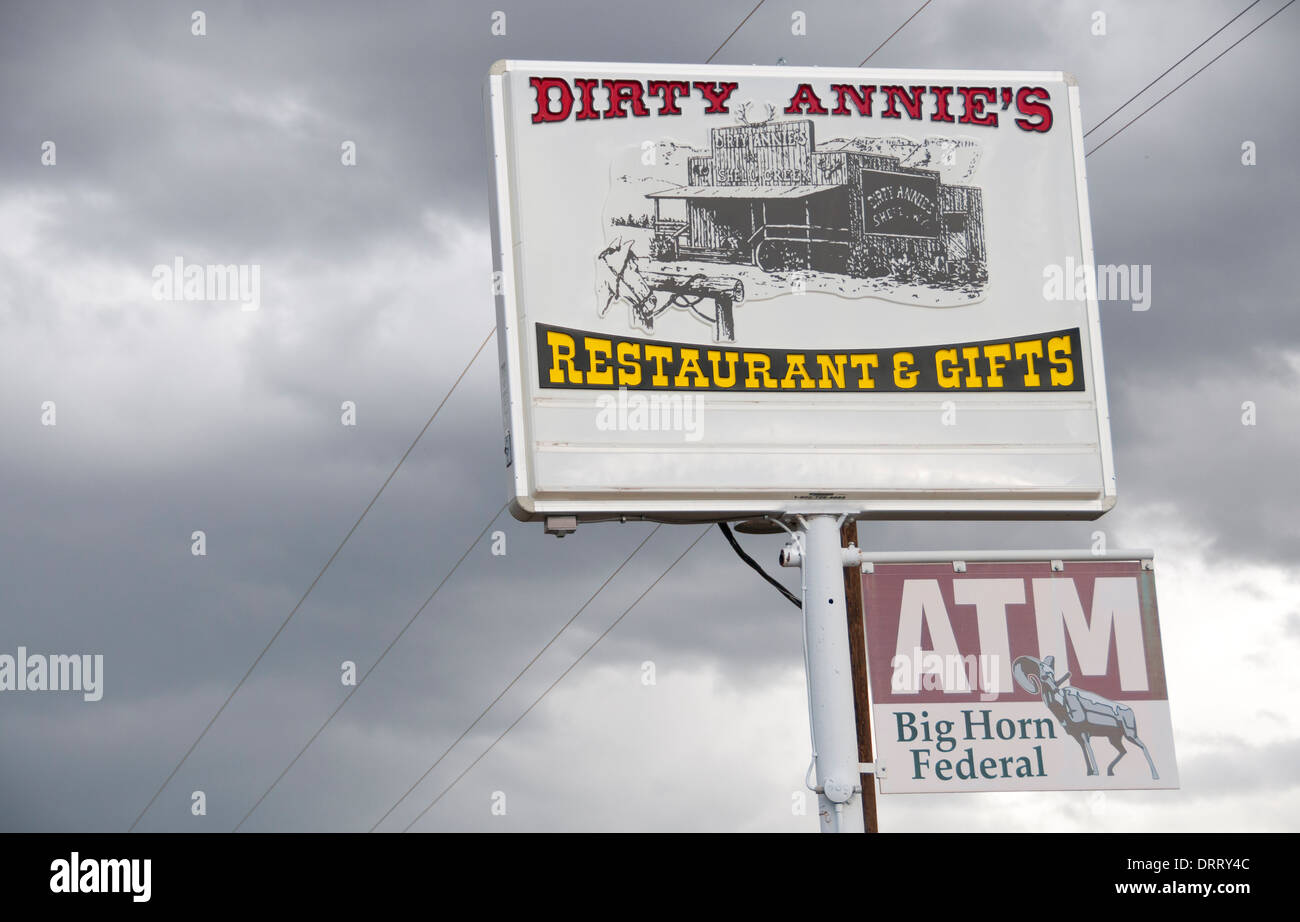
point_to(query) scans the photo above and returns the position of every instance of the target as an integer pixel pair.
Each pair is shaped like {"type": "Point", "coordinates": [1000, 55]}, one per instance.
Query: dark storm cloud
{"type": "Point", "coordinates": [177, 417]}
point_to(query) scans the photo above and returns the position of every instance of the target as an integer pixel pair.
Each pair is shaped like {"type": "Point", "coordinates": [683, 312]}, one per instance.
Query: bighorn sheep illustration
{"type": "Point", "coordinates": [1082, 713]}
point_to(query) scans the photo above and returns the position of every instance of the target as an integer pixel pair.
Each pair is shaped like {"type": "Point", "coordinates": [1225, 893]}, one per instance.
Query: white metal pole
{"type": "Point", "coordinates": [830, 677]}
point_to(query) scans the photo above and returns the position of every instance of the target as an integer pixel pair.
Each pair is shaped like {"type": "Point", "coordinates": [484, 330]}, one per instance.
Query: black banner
{"type": "Point", "coordinates": [568, 358]}
{"type": "Point", "coordinates": [124, 874]}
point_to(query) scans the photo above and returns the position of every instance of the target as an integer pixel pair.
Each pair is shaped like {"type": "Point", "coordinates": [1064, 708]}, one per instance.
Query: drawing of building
{"type": "Point", "coordinates": [766, 196]}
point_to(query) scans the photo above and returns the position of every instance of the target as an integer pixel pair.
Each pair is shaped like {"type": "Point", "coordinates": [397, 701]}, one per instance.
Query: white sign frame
{"type": "Point", "coordinates": [533, 500]}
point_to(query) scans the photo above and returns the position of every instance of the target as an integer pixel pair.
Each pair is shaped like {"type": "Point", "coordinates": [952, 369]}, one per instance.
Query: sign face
{"type": "Point", "coordinates": [1015, 677]}
{"type": "Point", "coordinates": [732, 291]}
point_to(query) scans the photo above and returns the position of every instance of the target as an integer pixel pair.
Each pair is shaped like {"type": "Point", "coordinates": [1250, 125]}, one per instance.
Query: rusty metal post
{"type": "Point", "coordinates": [858, 661]}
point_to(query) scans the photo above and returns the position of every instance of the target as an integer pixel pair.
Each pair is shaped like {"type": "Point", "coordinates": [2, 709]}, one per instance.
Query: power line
{"type": "Point", "coordinates": [285, 623]}
{"type": "Point", "coordinates": [548, 644]}
{"type": "Point", "coordinates": [353, 690]}
{"type": "Point", "coordinates": [337, 550]}
{"type": "Point", "coordinates": [1171, 67]}
{"type": "Point", "coordinates": [539, 698]}
{"type": "Point", "coordinates": [710, 58]}
{"type": "Point", "coordinates": [527, 666]}
{"type": "Point", "coordinates": [895, 32]}
{"type": "Point", "coordinates": [1189, 79]}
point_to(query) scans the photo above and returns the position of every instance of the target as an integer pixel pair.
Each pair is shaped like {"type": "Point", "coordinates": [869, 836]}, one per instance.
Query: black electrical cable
{"type": "Point", "coordinates": [735, 546]}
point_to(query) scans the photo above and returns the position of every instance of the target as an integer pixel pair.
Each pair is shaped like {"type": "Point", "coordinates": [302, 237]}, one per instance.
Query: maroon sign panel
{"type": "Point", "coordinates": [1017, 676]}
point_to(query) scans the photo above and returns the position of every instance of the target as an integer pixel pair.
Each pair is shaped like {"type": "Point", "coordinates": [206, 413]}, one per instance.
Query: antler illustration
{"type": "Point", "coordinates": [743, 114]}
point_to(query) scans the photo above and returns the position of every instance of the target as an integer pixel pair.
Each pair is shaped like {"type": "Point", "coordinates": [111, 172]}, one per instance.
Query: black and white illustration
{"type": "Point", "coordinates": [765, 210]}
{"type": "Point", "coordinates": [1083, 714]}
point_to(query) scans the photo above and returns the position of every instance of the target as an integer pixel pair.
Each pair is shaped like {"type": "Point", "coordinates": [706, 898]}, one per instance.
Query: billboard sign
{"type": "Point", "coordinates": [1017, 676]}
{"type": "Point", "coordinates": [734, 291]}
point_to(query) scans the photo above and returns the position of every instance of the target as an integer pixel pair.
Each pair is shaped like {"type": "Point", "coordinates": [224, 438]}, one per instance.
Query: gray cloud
{"type": "Point", "coordinates": [176, 417]}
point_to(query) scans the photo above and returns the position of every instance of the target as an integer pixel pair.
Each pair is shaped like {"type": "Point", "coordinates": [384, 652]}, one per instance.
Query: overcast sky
{"type": "Point", "coordinates": [174, 417]}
